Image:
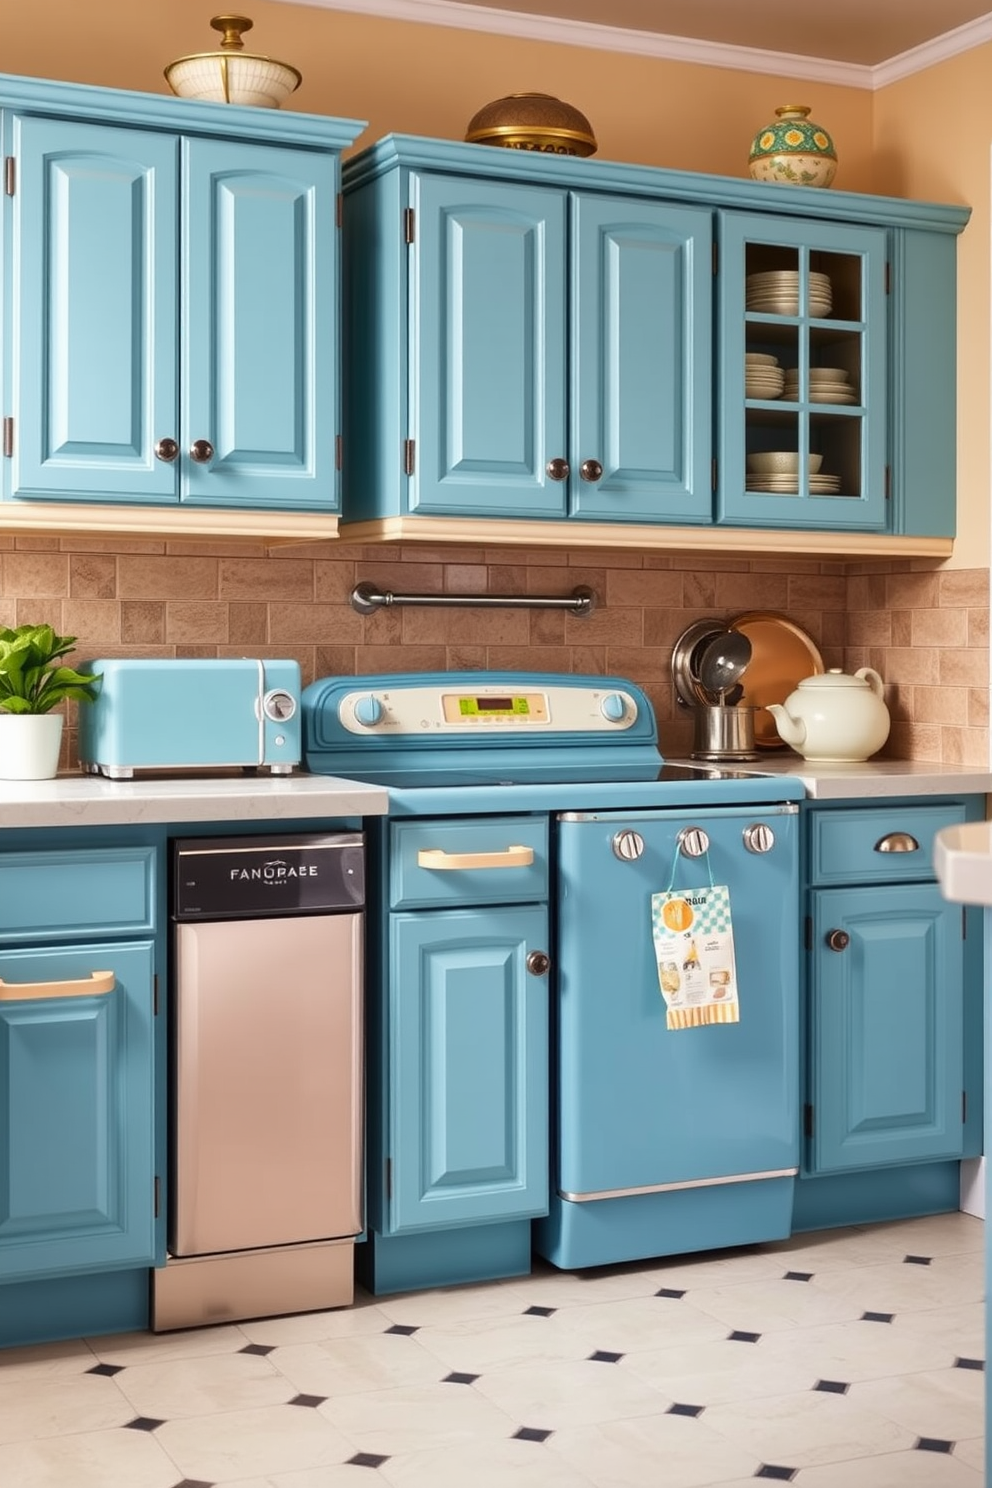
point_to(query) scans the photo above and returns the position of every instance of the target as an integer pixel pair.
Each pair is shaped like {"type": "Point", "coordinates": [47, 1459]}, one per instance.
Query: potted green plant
{"type": "Point", "coordinates": [33, 681]}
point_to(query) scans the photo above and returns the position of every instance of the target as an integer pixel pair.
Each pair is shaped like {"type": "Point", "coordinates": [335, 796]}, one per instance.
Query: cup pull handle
{"type": "Point", "coordinates": [510, 857]}
{"type": "Point", "coordinates": [96, 982]}
{"type": "Point", "coordinates": [897, 842]}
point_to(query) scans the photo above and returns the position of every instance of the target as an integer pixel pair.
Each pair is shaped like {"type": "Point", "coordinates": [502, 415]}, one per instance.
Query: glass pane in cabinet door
{"type": "Point", "coordinates": [837, 439]}
{"type": "Point", "coordinates": [836, 285]}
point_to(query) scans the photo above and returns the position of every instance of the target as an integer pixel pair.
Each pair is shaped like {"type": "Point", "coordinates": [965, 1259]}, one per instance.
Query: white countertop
{"type": "Point", "coordinates": [91, 801]}
{"type": "Point", "coordinates": [962, 857]}
{"type": "Point", "coordinates": [874, 777]}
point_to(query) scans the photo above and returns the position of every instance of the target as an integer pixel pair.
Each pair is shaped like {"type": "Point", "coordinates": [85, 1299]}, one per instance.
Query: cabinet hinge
{"type": "Point", "coordinates": [716, 257]}
{"type": "Point", "coordinates": [888, 482]}
{"type": "Point", "coordinates": [10, 175]}
{"type": "Point", "coordinates": [389, 1177]}
{"type": "Point", "coordinates": [155, 995]}
{"type": "Point", "coordinates": [8, 437]}
{"type": "Point", "coordinates": [338, 452]}
{"type": "Point", "coordinates": [888, 277]}
{"type": "Point", "coordinates": [409, 224]}
{"type": "Point", "coordinates": [808, 932]}
{"type": "Point", "coordinates": [714, 472]}
{"type": "Point", "coordinates": [964, 1107]}
{"type": "Point", "coordinates": [808, 1123]}
{"type": "Point", "coordinates": [158, 1196]}
{"type": "Point", "coordinates": [409, 456]}
{"type": "Point", "coordinates": [339, 209]}
{"type": "Point", "coordinates": [964, 922]}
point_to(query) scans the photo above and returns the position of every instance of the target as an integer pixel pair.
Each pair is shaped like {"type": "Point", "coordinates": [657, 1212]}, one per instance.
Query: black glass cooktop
{"type": "Point", "coordinates": [591, 775]}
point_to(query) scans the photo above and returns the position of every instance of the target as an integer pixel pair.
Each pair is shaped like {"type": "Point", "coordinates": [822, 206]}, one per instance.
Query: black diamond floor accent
{"type": "Point", "coordinates": [459, 1379]}
{"type": "Point", "coordinates": [798, 1276]}
{"type": "Point", "coordinates": [106, 1369]}
{"type": "Point", "coordinates": [366, 1459]}
{"type": "Point", "coordinates": [404, 1328]}
{"type": "Point", "coordinates": [877, 1317]}
{"type": "Point", "coordinates": [539, 1311]}
{"type": "Point", "coordinates": [772, 1470]}
{"type": "Point", "coordinates": [958, 1364]}
{"type": "Point", "coordinates": [685, 1410]}
{"type": "Point", "coordinates": [603, 1356]}
{"type": "Point", "coordinates": [933, 1444]}
{"type": "Point", "coordinates": [311, 1400]}
{"type": "Point", "coordinates": [258, 1348]}
{"type": "Point", "coordinates": [194, 1482]}
{"type": "Point", "coordinates": [144, 1423]}
{"type": "Point", "coordinates": [916, 1260]}
{"type": "Point", "coordinates": [832, 1387]}
{"type": "Point", "coordinates": [531, 1433]}
{"type": "Point", "coordinates": [669, 1292]}
{"type": "Point", "coordinates": [737, 1336]}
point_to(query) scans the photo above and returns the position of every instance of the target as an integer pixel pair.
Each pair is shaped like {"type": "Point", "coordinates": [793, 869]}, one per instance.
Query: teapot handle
{"type": "Point", "coordinates": [874, 681]}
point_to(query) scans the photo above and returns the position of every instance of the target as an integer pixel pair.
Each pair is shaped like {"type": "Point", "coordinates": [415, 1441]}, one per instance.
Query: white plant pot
{"type": "Point", "coordinates": [29, 745]}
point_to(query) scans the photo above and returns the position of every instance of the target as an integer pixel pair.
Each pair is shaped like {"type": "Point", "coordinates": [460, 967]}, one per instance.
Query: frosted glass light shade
{"type": "Point", "coordinates": [232, 75]}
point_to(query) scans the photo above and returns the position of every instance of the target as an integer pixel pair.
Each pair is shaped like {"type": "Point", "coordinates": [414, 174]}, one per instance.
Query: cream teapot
{"type": "Point", "coordinates": [834, 717]}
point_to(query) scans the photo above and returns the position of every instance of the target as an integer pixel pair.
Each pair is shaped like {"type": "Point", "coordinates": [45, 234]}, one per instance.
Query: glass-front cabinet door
{"type": "Point", "coordinates": [802, 426]}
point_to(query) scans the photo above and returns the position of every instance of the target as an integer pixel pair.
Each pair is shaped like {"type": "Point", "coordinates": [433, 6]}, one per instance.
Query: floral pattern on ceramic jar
{"type": "Point", "coordinates": [793, 150]}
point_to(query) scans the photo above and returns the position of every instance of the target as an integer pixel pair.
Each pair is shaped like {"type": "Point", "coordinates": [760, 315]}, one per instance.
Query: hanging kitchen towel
{"type": "Point", "coordinates": [694, 948]}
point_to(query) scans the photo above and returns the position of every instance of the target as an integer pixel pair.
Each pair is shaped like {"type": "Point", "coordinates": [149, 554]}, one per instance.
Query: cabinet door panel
{"type": "Point", "coordinates": [92, 312]}
{"type": "Point", "coordinates": [261, 324]}
{"type": "Point", "coordinates": [76, 1114]}
{"type": "Point", "coordinates": [887, 1027]}
{"type": "Point", "coordinates": [488, 349]}
{"type": "Point", "coordinates": [468, 1055]}
{"type": "Point", "coordinates": [642, 372]}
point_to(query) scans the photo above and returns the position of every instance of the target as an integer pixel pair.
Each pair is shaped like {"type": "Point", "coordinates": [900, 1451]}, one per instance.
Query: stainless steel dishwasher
{"type": "Point", "coordinates": [265, 1081]}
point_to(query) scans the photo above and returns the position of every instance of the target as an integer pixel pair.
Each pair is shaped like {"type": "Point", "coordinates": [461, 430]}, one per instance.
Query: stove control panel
{"type": "Point", "coordinates": [414, 710]}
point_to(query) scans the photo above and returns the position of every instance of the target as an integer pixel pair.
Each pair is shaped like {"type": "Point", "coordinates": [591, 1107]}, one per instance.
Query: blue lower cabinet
{"type": "Point", "coordinates": [887, 1028]}
{"type": "Point", "coordinates": [467, 1125]}
{"type": "Point", "coordinates": [77, 1082]}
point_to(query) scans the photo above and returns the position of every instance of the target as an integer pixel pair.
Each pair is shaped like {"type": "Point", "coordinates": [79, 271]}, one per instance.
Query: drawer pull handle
{"type": "Point", "coordinates": [510, 857]}
{"type": "Point", "coordinates": [897, 842]}
{"type": "Point", "coordinates": [97, 981]}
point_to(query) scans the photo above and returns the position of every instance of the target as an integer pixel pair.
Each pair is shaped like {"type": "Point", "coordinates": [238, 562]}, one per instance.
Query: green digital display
{"type": "Point", "coordinates": [512, 707]}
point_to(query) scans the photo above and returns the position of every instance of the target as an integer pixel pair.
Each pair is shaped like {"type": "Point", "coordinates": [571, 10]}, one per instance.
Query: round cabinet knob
{"type": "Point", "coordinates": [538, 963]}
{"type": "Point", "coordinates": [201, 451]}
{"type": "Point", "coordinates": [591, 470]}
{"type": "Point", "coordinates": [838, 940]}
{"type": "Point", "coordinates": [693, 842]}
{"type": "Point", "coordinates": [628, 845]}
{"type": "Point", "coordinates": [167, 450]}
{"type": "Point", "coordinates": [368, 710]}
{"type": "Point", "coordinates": [279, 705]}
{"type": "Point", "coordinates": [759, 838]}
{"type": "Point", "coordinates": [614, 707]}
{"type": "Point", "coordinates": [557, 469]}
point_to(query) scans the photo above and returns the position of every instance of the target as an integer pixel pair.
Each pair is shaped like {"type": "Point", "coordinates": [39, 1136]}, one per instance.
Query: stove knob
{"type": "Point", "coordinates": [614, 707]}
{"type": "Point", "coordinates": [759, 838]}
{"type": "Point", "coordinates": [693, 842]}
{"type": "Point", "coordinates": [368, 710]}
{"type": "Point", "coordinates": [628, 845]}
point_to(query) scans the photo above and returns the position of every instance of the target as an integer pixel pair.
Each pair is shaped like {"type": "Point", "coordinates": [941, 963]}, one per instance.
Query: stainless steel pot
{"type": "Point", "coordinates": [723, 732]}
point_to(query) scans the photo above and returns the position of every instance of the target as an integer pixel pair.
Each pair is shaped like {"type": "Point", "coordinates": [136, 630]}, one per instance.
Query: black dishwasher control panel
{"type": "Point", "coordinates": [224, 878]}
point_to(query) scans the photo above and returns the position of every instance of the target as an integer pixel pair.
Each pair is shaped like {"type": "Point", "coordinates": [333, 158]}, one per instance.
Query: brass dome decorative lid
{"type": "Point", "coordinates": [232, 75]}
{"type": "Point", "coordinates": [533, 121]}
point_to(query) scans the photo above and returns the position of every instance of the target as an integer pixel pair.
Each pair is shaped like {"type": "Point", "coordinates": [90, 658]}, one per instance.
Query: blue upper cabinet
{"type": "Point", "coordinates": [554, 346]}
{"type": "Point", "coordinates": [804, 371]}
{"type": "Point", "coordinates": [172, 302]}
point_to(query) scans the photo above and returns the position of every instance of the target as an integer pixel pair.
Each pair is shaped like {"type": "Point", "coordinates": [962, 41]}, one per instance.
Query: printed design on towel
{"type": "Point", "coordinates": [694, 948]}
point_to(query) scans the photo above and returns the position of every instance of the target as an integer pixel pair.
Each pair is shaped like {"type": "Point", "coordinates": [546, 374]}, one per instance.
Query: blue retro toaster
{"type": "Point", "coordinates": [194, 714]}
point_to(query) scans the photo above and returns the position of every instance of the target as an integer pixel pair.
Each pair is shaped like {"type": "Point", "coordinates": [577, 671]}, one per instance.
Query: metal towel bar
{"type": "Point", "coordinates": [365, 598]}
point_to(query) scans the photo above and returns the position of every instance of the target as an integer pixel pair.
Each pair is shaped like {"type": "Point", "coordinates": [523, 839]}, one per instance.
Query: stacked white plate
{"type": "Point", "coordinates": [763, 377]}
{"type": "Point", "coordinates": [826, 385]}
{"type": "Point", "coordinates": [788, 485]}
{"type": "Point", "coordinates": [777, 293]}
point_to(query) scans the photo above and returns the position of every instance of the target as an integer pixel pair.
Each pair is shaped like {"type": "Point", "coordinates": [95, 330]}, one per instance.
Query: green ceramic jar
{"type": "Point", "coordinates": [793, 151]}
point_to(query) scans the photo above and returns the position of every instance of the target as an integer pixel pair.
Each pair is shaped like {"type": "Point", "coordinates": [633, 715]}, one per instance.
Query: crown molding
{"type": "Point", "coordinates": [962, 39]}
{"type": "Point", "coordinates": [497, 22]}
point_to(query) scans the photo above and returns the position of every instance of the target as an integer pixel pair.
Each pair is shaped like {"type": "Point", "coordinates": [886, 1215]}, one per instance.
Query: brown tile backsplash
{"type": "Point", "coordinates": [926, 631]}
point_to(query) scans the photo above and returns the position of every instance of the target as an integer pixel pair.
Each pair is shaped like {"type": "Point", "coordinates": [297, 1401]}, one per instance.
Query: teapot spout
{"type": "Point", "coordinates": [792, 730]}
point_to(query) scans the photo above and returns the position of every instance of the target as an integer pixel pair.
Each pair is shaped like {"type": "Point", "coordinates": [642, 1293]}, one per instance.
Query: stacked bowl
{"type": "Point", "coordinates": [777, 293]}
{"type": "Point", "coordinates": [763, 377]}
{"type": "Point", "coordinates": [777, 471]}
{"type": "Point", "coordinates": [826, 385]}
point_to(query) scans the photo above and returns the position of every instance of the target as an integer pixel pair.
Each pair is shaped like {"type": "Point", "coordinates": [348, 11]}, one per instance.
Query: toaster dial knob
{"type": "Point", "coordinates": [368, 710]}
{"type": "Point", "coordinates": [279, 705]}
